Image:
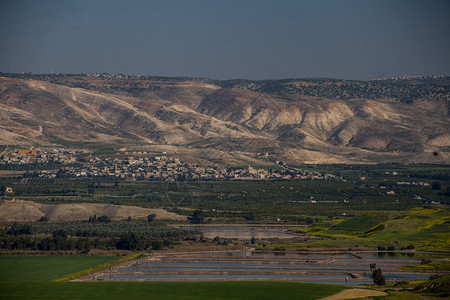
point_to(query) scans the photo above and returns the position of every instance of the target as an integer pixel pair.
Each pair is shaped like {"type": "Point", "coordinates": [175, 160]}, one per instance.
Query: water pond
{"type": "Point", "coordinates": [244, 265]}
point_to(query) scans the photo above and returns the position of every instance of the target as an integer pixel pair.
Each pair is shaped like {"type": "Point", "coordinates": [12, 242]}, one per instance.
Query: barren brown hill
{"type": "Point", "coordinates": [25, 211]}
{"type": "Point", "coordinates": [208, 121]}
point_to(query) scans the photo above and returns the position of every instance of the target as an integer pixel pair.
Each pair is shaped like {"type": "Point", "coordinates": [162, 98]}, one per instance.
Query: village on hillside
{"type": "Point", "coordinates": [143, 165]}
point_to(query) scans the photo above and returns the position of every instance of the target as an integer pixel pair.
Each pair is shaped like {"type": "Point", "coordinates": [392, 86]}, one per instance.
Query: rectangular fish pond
{"type": "Point", "coordinates": [245, 265]}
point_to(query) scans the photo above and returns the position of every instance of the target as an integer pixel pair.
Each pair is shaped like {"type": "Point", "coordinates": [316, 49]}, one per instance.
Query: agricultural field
{"type": "Point", "coordinates": [363, 206]}
{"type": "Point", "coordinates": [176, 291]}
{"type": "Point", "coordinates": [422, 228]}
{"type": "Point", "coordinates": [46, 268]}
{"type": "Point", "coordinates": [357, 189]}
{"type": "Point", "coordinates": [34, 277]}
{"type": "Point", "coordinates": [383, 208]}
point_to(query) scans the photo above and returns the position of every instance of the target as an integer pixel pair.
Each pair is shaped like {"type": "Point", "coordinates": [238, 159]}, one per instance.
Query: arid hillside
{"type": "Point", "coordinates": [26, 211]}
{"type": "Point", "coordinates": [237, 122]}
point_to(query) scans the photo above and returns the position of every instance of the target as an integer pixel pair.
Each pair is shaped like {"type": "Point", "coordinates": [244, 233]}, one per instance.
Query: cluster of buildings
{"type": "Point", "coordinates": [30, 156]}
{"type": "Point", "coordinates": [415, 183]}
{"type": "Point", "coordinates": [147, 167]}
{"type": "Point", "coordinates": [169, 169]}
{"type": "Point", "coordinates": [409, 77]}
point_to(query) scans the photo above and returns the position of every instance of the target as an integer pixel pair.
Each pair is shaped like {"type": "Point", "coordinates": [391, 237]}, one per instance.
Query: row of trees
{"type": "Point", "coordinates": [154, 229]}
{"type": "Point", "coordinates": [139, 242]}
{"type": "Point", "coordinates": [51, 243]}
{"type": "Point", "coordinates": [98, 232]}
{"type": "Point", "coordinates": [101, 219]}
{"type": "Point", "coordinates": [59, 241]}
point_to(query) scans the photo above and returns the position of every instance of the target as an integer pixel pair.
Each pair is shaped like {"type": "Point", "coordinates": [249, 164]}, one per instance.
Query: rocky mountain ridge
{"type": "Point", "coordinates": [236, 122]}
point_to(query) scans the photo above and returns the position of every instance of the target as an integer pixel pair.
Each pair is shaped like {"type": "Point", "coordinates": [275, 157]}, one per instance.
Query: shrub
{"type": "Point", "coordinates": [104, 219]}
{"type": "Point", "coordinates": [151, 218]}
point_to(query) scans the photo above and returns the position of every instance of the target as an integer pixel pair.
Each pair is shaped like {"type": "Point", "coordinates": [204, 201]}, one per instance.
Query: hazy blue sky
{"type": "Point", "coordinates": [227, 39]}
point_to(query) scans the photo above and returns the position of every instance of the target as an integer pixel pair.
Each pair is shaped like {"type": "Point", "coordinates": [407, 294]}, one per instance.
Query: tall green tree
{"type": "Point", "coordinates": [378, 277]}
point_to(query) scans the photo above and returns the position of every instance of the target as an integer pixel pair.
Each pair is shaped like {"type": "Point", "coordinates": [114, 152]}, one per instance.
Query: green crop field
{"type": "Point", "coordinates": [46, 268]}
{"type": "Point", "coordinates": [362, 222]}
{"type": "Point", "coordinates": [167, 290]}
{"type": "Point", "coordinates": [423, 228]}
{"type": "Point", "coordinates": [31, 278]}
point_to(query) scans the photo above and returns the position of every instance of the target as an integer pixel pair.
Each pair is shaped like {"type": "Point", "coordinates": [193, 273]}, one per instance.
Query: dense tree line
{"type": "Point", "coordinates": [154, 230]}
{"type": "Point", "coordinates": [56, 242]}
{"type": "Point", "coordinates": [65, 237]}
{"type": "Point", "coordinates": [83, 245]}
{"type": "Point", "coordinates": [140, 242]}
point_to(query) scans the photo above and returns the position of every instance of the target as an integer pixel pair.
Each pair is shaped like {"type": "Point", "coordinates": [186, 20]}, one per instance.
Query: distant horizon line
{"type": "Point", "coordinates": [232, 79]}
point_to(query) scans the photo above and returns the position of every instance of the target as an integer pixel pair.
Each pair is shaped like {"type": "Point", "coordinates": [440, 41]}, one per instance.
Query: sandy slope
{"type": "Point", "coordinates": [32, 211]}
